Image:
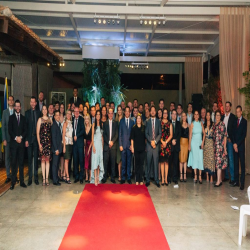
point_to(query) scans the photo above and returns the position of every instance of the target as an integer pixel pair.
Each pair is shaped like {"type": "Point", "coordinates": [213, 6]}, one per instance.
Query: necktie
{"type": "Point", "coordinates": [127, 123]}
{"type": "Point", "coordinates": [76, 125]}
{"type": "Point", "coordinates": [238, 123]}
{"type": "Point", "coordinates": [153, 129]}
{"type": "Point", "coordinates": [34, 122]}
{"type": "Point", "coordinates": [110, 130]}
{"type": "Point", "coordinates": [74, 99]}
{"type": "Point", "coordinates": [18, 120]}
{"type": "Point", "coordinates": [174, 126]}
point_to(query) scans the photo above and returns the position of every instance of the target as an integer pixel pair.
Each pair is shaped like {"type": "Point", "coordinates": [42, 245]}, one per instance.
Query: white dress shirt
{"type": "Point", "coordinates": [189, 118]}
{"type": "Point", "coordinates": [110, 130]}
{"type": "Point", "coordinates": [226, 118]}
{"type": "Point", "coordinates": [11, 111]}
{"type": "Point", "coordinates": [127, 122]}
{"type": "Point", "coordinates": [75, 126]}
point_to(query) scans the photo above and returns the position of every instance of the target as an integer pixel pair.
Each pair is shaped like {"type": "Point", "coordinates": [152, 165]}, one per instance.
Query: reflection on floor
{"type": "Point", "coordinates": [193, 216]}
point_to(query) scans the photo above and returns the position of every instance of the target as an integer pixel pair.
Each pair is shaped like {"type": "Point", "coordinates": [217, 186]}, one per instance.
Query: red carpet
{"type": "Point", "coordinates": [114, 217]}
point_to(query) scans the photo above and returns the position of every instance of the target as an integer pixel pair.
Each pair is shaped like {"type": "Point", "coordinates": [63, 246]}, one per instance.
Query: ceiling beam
{"type": "Point", "coordinates": [75, 29]}
{"type": "Point", "coordinates": [65, 48]}
{"type": "Point", "coordinates": [166, 50]}
{"type": "Point", "coordinates": [141, 30]}
{"type": "Point", "coordinates": [106, 9]}
{"type": "Point", "coordinates": [150, 40]}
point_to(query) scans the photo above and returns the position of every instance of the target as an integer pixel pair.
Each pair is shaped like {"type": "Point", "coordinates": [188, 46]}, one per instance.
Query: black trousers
{"type": "Point", "coordinates": [17, 158]}
{"type": "Point", "coordinates": [139, 161]}
{"type": "Point", "coordinates": [33, 151]}
{"type": "Point", "coordinates": [55, 167]}
{"type": "Point", "coordinates": [109, 154]}
{"type": "Point", "coordinates": [173, 166]}
{"type": "Point", "coordinates": [239, 156]}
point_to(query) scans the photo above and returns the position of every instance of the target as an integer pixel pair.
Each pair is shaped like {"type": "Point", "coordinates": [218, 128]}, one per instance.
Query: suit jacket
{"type": "Point", "coordinates": [124, 133]}
{"type": "Point", "coordinates": [106, 134]}
{"type": "Point", "coordinates": [176, 136]}
{"type": "Point", "coordinates": [5, 122]}
{"type": "Point", "coordinates": [239, 134]}
{"type": "Point", "coordinates": [78, 102]}
{"type": "Point", "coordinates": [29, 124]}
{"type": "Point", "coordinates": [15, 130]}
{"type": "Point", "coordinates": [230, 125]}
{"type": "Point", "coordinates": [149, 134]}
{"type": "Point", "coordinates": [80, 132]}
{"type": "Point", "coordinates": [56, 138]}
{"type": "Point", "coordinates": [38, 106]}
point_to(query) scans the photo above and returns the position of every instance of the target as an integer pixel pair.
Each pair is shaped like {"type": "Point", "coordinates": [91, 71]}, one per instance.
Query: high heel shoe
{"type": "Point", "coordinates": [218, 185]}
{"type": "Point", "coordinates": [47, 182]}
{"type": "Point", "coordinates": [44, 182]}
{"type": "Point", "coordinates": [181, 179]}
{"type": "Point", "coordinates": [200, 182]}
{"type": "Point", "coordinates": [195, 181]}
{"type": "Point", "coordinates": [185, 180]}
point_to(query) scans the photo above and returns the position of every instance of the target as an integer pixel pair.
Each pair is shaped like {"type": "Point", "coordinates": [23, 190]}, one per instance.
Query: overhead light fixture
{"type": "Point", "coordinates": [49, 33]}
{"type": "Point", "coordinates": [155, 22]}
{"type": "Point", "coordinates": [63, 33]}
{"type": "Point", "coordinates": [118, 22]}
{"type": "Point", "coordinates": [109, 21]}
{"type": "Point", "coordinates": [145, 22]}
{"type": "Point", "coordinates": [163, 22]}
{"type": "Point", "coordinates": [94, 20]}
{"type": "Point", "coordinates": [159, 22]}
{"type": "Point", "coordinates": [141, 22]}
{"type": "Point", "coordinates": [113, 22]}
{"type": "Point", "coordinates": [48, 64]}
{"type": "Point", "coordinates": [149, 22]}
{"type": "Point", "coordinates": [99, 21]}
{"type": "Point", "coordinates": [137, 66]}
{"type": "Point", "coordinates": [104, 21]}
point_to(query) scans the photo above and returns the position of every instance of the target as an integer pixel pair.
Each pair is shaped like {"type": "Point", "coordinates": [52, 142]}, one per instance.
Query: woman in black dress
{"type": "Point", "coordinates": [165, 151]}
{"type": "Point", "coordinates": [138, 148]}
{"type": "Point", "coordinates": [88, 145]}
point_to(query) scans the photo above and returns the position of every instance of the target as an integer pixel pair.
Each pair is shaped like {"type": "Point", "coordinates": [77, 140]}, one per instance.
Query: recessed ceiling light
{"type": "Point", "coordinates": [118, 21]}
{"type": "Point", "coordinates": [113, 21]}
{"type": "Point", "coordinates": [94, 20]}
{"type": "Point", "coordinates": [99, 21]}
{"type": "Point", "coordinates": [104, 21]}
{"type": "Point", "coordinates": [149, 22]}
{"type": "Point", "coordinates": [49, 33]}
{"type": "Point", "coordinates": [108, 21]}
{"type": "Point", "coordinates": [141, 22]}
{"type": "Point", "coordinates": [164, 22]}
{"type": "Point", "coordinates": [155, 22]}
{"type": "Point", "coordinates": [63, 33]}
{"type": "Point", "coordinates": [159, 22]}
{"type": "Point", "coordinates": [145, 22]}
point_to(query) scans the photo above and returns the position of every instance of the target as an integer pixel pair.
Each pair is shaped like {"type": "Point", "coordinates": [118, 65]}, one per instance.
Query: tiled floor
{"type": "Point", "coordinates": [193, 216]}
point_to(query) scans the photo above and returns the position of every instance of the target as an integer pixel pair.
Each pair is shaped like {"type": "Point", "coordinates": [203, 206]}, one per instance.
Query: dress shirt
{"type": "Point", "coordinates": [189, 118]}
{"type": "Point", "coordinates": [127, 122]}
{"type": "Point", "coordinates": [40, 105]}
{"type": "Point", "coordinates": [226, 118]}
{"type": "Point", "coordinates": [75, 99]}
{"type": "Point", "coordinates": [240, 120]}
{"type": "Point", "coordinates": [75, 125]}
{"type": "Point", "coordinates": [11, 111]}
{"type": "Point", "coordinates": [213, 116]}
{"type": "Point", "coordinates": [110, 130]}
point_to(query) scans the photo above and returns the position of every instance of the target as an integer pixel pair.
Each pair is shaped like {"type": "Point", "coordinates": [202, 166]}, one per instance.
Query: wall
{"type": "Point", "coordinates": [154, 95]}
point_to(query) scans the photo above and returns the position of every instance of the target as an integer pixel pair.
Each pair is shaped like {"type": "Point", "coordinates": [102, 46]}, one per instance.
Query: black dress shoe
{"type": "Point", "coordinates": [231, 182]}
{"type": "Point", "coordinates": [56, 183]}
{"type": "Point", "coordinates": [147, 184]}
{"type": "Point", "coordinates": [122, 182]}
{"type": "Point", "coordinates": [81, 181]}
{"type": "Point", "coordinates": [17, 181]}
{"type": "Point", "coordinates": [23, 185]}
{"type": "Point", "coordinates": [113, 181]}
{"type": "Point", "coordinates": [158, 185]}
{"type": "Point", "coordinates": [76, 180]}
{"type": "Point", "coordinates": [103, 181]}
{"type": "Point", "coordinates": [242, 187]}
{"type": "Point", "coordinates": [29, 182]}
{"type": "Point", "coordinates": [235, 184]}
{"type": "Point", "coordinates": [129, 182]}
{"type": "Point", "coordinates": [36, 182]}
{"type": "Point", "coordinates": [176, 182]}
{"type": "Point", "coordinates": [7, 180]}
{"type": "Point", "coordinates": [12, 186]}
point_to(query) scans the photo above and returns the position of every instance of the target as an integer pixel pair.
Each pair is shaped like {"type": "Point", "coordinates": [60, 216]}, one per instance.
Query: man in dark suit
{"type": "Point", "coordinates": [125, 127]}
{"type": "Point", "coordinates": [6, 136]}
{"type": "Point", "coordinates": [238, 137]}
{"type": "Point", "coordinates": [75, 99]}
{"type": "Point", "coordinates": [110, 136]}
{"type": "Point", "coordinates": [40, 101]}
{"type": "Point", "coordinates": [153, 136]}
{"type": "Point", "coordinates": [92, 114]}
{"type": "Point", "coordinates": [56, 134]}
{"type": "Point", "coordinates": [31, 117]}
{"type": "Point", "coordinates": [175, 149]}
{"type": "Point", "coordinates": [229, 120]}
{"type": "Point", "coordinates": [78, 145]}
{"type": "Point", "coordinates": [17, 131]}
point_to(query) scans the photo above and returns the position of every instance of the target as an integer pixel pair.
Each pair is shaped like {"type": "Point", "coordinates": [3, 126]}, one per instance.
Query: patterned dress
{"type": "Point", "coordinates": [45, 138]}
{"type": "Point", "coordinates": [219, 132]}
{"type": "Point", "coordinates": [165, 133]}
{"type": "Point", "coordinates": [208, 157]}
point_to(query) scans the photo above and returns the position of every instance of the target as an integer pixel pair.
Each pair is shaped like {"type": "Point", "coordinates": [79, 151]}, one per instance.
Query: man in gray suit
{"type": "Point", "coordinates": [5, 134]}
{"type": "Point", "coordinates": [153, 136]}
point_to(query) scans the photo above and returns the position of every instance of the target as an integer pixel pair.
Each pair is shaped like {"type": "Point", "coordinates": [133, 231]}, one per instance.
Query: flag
{"type": "Point", "coordinates": [6, 94]}
{"type": "Point", "coordinates": [2, 149]}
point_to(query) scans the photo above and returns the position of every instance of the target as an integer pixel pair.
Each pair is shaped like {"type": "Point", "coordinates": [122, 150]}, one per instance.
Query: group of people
{"type": "Point", "coordinates": [142, 139]}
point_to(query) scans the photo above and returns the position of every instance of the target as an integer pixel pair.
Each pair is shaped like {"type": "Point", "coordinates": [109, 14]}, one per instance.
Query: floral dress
{"type": "Point", "coordinates": [165, 133]}
{"type": "Point", "coordinates": [45, 138]}
{"type": "Point", "coordinates": [219, 132]}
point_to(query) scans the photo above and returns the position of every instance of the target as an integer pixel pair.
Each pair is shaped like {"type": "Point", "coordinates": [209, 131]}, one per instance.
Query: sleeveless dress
{"type": "Point", "coordinates": [97, 158]}
{"type": "Point", "coordinates": [209, 163]}
{"type": "Point", "coordinates": [87, 159]}
{"type": "Point", "coordinates": [118, 152]}
{"type": "Point", "coordinates": [165, 133]}
{"type": "Point", "coordinates": [45, 138]}
{"type": "Point", "coordinates": [195, 159]}
{"type": "Point", "coordinates": [183, 154]}
{"type": "Point", "coordinates": [68, 140]}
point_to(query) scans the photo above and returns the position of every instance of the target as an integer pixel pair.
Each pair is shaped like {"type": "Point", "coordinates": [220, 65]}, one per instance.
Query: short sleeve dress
{"type": "Point", "coordinates": [45, 138]}
{"type": "Point", "coordinates": [165, 133]}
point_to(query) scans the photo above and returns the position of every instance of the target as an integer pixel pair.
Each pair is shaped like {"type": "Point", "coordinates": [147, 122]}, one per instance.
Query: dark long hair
{"type": "Point", "coordinates": [211, 122]}
{"type": "Point", "coordinates": [98, 111]}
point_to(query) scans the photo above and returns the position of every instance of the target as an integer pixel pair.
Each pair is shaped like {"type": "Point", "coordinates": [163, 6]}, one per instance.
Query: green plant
{"type": "Point", "coordinates": [212, 93]}
{"type": "Point", "coordinates": [246, 91]}
{"type": "Point", "coordinates": [102, 79]}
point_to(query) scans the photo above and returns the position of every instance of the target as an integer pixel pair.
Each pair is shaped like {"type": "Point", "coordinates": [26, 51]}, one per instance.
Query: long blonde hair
{"type": "Point", "coordinates": [117, 116]}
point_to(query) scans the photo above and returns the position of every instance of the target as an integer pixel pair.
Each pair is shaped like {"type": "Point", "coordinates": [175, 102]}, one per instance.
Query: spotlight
{"type": "Point", "coordinates": [94, 20]}
{"type": "Point", "coordinates": [159, 22]}
{"type": "Point", "coordinates": [147, 66]}
{"type": "Point", "coordinates": [141, 22]}
{"type": "Point", "coordinates": [113, 22]}
{"type": "Point", "coordinates": [108, 21]}
{"type": "Point", "coordinates": [118, 22]}
{"type": "Point", "coordinates": [48, 64]}
{"type": "Point", "coordinates": [104, 21]}
{"type": "Point", "coordinates": [155, 22]}
{"type": "Point", "coordinates": [63, 33]}
{"type": "Point", "coordinates": [164, 22]}
{"type": "Point", "coordinates": [99, 21]}
{"type": "Point", "coordinates": [49, 33]}
{"type": "Point", "coordinates": [145, 22]}
{"type": "Point", "coordinates": [149, 22]}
